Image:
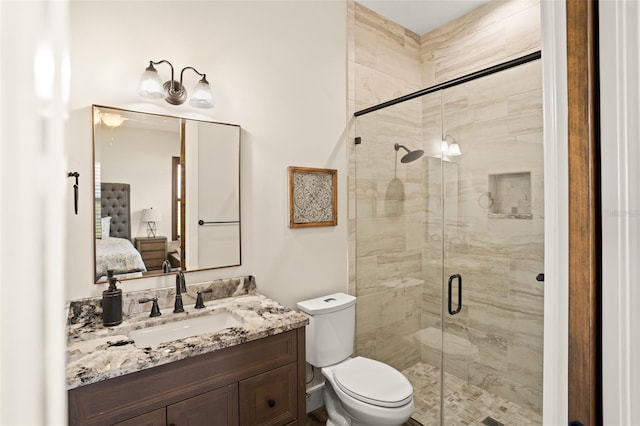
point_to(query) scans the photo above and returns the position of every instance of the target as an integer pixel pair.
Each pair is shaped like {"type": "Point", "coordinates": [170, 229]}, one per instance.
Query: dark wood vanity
{"type": "Point", "coordinates": [261, 382]}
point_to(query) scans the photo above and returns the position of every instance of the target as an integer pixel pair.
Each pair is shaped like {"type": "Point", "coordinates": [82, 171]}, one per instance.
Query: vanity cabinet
{"type": "Point", "coordinates": [153, 251]}
{"type": "Point", "coordinates": [256, 383]}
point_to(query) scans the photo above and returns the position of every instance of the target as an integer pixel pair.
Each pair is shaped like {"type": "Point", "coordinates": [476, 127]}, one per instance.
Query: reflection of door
{"type": "Point", "coordinates": [213, 214]}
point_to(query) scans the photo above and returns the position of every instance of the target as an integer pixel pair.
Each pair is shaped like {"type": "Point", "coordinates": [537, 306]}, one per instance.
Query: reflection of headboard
{"type": "Point", "coordinates": [115, 202]}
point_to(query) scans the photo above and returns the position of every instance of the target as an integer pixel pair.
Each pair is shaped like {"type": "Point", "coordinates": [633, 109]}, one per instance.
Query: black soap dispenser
{"type": "Point", "coordinates": [111, 302]}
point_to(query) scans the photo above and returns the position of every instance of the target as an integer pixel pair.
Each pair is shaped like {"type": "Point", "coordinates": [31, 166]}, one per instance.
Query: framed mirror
{"type": "Point", "coordinates": [166, 194]}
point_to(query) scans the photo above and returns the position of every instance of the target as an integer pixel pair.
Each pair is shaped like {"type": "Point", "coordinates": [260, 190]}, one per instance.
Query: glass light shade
{"type": "Point", "coordinates": [444, 147]}
{"type": "Point", "coordinates": [454, 149]}
{"type": "Point", "coordinates": [202, 96]}
{"type": "Point", "coordinates": [112, 120]}
{"type": "Point", "coordinates": [151, 85]}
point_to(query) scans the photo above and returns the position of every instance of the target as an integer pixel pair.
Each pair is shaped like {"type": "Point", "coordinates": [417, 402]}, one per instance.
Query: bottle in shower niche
{"type": "Point", "coordinates": [111, 302]}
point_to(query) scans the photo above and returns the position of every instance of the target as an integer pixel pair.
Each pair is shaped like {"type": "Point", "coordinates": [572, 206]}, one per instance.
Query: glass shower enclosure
{"type": "Point", "coordinates": [449, 245]}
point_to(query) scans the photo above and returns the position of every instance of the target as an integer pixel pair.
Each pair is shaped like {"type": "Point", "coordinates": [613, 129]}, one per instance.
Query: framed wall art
{"type": "Point", "coordinates": [313, 199]}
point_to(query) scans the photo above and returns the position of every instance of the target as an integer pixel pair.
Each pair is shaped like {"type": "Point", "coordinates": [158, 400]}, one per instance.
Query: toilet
{"type": "Point", "coordinates": [358, 391]}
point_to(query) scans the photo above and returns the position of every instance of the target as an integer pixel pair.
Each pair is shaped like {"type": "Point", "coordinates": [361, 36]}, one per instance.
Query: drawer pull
{"type": "Point", "coordinates": [271, 403]}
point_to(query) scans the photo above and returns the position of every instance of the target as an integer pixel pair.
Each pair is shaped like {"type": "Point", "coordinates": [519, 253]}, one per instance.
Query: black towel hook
{"type": "Point", "coordinates": [75, 190]}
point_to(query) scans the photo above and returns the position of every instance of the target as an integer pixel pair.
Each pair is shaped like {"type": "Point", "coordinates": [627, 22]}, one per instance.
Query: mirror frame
{"type": "Point", "coordinates": [182, 124]}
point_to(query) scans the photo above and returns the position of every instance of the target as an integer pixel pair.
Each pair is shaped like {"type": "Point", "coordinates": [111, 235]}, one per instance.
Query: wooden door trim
{"type": "Point", "coordinates": [584, 392]}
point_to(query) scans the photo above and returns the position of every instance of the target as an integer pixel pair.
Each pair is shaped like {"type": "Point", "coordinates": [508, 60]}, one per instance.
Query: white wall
{"type": "Point", "coordinates": [620, 107]}
{"type": "Point", "coordinates": [141, 158]}
{"type": "Point", "coordinates": [278, 69]}
{"type": "Point", "coordinates": [556, 210]}
{"type": "Point", "coordinates": [33, 181]}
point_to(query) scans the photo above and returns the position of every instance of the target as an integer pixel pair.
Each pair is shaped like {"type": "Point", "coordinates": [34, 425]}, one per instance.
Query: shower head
{"type": "Point", "coordinates": [410, 155]}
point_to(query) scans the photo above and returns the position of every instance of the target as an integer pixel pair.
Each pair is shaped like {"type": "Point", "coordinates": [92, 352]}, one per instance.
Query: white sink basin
{"type": "Point", "coordinates": [151, 336]}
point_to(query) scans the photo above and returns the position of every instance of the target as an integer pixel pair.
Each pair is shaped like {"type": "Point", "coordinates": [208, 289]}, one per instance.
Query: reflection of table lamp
{"type": "Point", "coordinates": [151, 216]}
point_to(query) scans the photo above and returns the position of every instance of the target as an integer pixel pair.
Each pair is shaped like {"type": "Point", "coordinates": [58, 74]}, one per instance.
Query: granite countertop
{"type": "Point", "coordinates": [96, 353]}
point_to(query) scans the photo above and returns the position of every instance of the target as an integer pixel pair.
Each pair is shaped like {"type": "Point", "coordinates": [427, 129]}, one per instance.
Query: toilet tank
{"type": "Point", "coordinates": [331, 329]}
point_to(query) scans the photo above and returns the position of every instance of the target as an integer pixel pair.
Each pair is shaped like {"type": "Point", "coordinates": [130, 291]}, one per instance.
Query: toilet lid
{"type": "Point", "coordinates": [373, 382]}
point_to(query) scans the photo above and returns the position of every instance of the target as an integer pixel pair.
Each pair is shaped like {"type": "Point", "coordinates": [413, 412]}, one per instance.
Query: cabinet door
{"type": "Point", "coordinates": [269, 399]}
{"type": "Point", "coordinates": [218, 407]}
{"type": "Point", "coordinates": [153, 418]}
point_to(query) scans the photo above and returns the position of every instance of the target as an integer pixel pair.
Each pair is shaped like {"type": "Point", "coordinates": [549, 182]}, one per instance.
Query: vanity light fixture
{"type": "Point", "coordinates": [151, 216]}
{"type": "Point", "coordinates": [173, 91]}
{"type": "Point", "coordinates": [450, 150]}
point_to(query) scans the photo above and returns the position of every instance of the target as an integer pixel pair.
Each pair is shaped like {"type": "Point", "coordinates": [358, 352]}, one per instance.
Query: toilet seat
{"type": "Point", "coordinates": [373, 382]}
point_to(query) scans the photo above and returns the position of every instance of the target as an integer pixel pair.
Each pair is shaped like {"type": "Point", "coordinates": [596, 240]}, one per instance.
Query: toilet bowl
{"type": "Point", "coordinates": [362, 391]}
{"type": "Point", "coordinates": [358, 391]}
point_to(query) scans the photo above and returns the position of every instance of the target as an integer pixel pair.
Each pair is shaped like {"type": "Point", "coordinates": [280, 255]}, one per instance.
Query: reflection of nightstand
{"type": "Point", "coordinates": [153, 251]}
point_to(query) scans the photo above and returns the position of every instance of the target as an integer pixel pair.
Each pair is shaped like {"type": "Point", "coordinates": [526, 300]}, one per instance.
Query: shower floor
{"type": "Point", "coordinates": [465, 404]}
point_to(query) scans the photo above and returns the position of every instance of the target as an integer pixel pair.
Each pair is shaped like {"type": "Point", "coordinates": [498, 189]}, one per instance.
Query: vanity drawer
{"type": "Point", "coordinates": [269, 398]}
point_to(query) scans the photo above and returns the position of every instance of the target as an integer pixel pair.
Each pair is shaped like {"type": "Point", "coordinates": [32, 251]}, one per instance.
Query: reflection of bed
{"type": "Point", "coordinates": [118, 254]}
{"type": "Point", "coordinates": [114, 249]}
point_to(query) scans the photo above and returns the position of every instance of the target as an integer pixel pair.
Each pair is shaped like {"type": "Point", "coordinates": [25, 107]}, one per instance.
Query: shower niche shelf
{"type": "Point", "coordinates": [510, 196]}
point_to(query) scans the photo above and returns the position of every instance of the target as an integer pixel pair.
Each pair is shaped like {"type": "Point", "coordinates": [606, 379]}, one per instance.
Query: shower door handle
{"type": "Point", "coordinates": [459, 307]}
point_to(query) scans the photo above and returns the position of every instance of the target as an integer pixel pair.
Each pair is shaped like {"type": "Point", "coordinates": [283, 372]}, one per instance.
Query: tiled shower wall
{"type": "Point", "coordinates": [386, 64]}
{"type": "Point", "coordinates": [393, 246]}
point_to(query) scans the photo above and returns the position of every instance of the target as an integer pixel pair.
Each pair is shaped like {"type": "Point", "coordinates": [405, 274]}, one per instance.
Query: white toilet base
{"type": "Point", "coordinates": [337, 415]}
{"type": "Point", "coordinates": [344, 410]}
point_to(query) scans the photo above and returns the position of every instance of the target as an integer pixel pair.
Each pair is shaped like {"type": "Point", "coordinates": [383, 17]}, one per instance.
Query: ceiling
{"type": "Point", "coordinates": [422, 16]}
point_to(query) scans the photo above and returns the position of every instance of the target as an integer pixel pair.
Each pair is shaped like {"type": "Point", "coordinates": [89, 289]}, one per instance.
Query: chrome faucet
{"type": "Point", "coordinates": [166, 266]}
{"type": "Point", "coordinates": [180, 286]}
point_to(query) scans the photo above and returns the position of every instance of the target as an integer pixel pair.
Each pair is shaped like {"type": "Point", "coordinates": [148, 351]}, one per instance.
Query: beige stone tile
{"type": "Point", "coordinates": [366, 275]}
{"type": "Point", "coordinates": [380, 236]}
{"type": "Point", "coordinates": [382, 26]}
{"type": "Point", "coordinates": [365, 47]}
{"type": "Point", "coordinates": [402, 62]}
{"type": "Point", "coordinates": [526, 329]}
{"type": "Point", "coordinates": [484, 277]}
{"type": "Point", "coordinates": [487, 379]}
{"type": "Point", "coordinates": [393, 266]}
{"type": "Point", "coordinates": [525, 365]}
{"type": "Point", "coordinates": [523, 31]}
{"type": "Point", "coordinates": [486, 313]}
{"type": "Point", "coordinates": [366, 89]}
{"type": "Point", "coordinates": [366, 344]}
{"type": "Point", "coordinates": [369, 313]}
{"type": "Point", "coordinates": [492, 349]}
{"type": "Point", "coordinates": [525, 293]}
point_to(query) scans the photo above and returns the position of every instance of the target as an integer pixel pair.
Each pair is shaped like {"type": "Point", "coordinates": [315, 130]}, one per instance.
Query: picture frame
{"type": "Point", "coordinates": [313, 197]}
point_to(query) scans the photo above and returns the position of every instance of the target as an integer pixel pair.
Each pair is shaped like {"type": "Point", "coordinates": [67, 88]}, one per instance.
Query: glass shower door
{"type": "Point", "coordinates": [399, 245]}
{"type": "Point", "coordinates": [493, 249]}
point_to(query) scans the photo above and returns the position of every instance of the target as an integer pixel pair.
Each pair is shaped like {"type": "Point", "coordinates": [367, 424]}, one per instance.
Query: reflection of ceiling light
{"type": "Point", "coordinates": [454, 149]}
{"type": "Point", "coordinates": [111, 120]}
{"type": "Point", "coordinates": [96, 117]}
